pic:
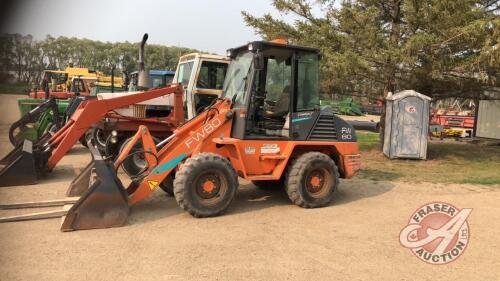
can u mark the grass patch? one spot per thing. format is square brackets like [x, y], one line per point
[482, 180]
[368, 140]
[377, 174]
[14, 88]
[448, 162]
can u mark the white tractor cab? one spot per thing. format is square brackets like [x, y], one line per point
[202, 77]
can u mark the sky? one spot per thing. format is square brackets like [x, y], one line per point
[208, 25]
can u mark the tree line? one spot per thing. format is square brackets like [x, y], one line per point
[441, 48]
[23, 58]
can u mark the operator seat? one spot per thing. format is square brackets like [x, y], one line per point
[275, 116]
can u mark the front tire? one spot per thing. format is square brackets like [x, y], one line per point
[311, 180]
[205, 185]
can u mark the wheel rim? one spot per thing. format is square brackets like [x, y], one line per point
[139, 160]
[99, 135]
[318, 182]
[211, 186]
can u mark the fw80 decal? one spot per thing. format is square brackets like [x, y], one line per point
[201, 134]
[346, 133]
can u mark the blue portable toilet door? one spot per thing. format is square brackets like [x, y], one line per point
[410, 123]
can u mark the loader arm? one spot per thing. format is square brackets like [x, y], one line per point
[182, 144]
[91, 111]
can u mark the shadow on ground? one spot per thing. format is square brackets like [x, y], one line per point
[354, 190]
[249, 198]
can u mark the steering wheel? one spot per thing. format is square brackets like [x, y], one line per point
[203, 84]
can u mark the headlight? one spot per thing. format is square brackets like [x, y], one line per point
[114, 133]
[113, 139]
[250, 47]
[229, 53]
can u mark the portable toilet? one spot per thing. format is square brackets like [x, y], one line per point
[406, 125]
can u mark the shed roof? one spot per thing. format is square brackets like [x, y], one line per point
[407, 93]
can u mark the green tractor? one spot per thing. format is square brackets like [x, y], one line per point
[38, 118]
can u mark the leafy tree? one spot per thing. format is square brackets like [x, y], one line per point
[28, 58]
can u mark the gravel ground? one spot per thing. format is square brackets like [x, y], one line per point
[262, 236]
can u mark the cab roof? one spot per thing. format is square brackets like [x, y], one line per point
[192, 56]
[157, 72]
[258, 45]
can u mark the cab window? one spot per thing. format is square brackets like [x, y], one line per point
[211, 75]
[157, 81]
[272, 90]
[77, 86]
[184, 73]
[307, 82]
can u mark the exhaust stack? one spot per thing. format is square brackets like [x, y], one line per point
[143, 75]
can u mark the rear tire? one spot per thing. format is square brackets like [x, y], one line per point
[205, 185]
[99, 139]
[82, 141]
[311, 180]
[135, 164]
[86, 137]
[168, 184]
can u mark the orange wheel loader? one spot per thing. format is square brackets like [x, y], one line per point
[268, 128]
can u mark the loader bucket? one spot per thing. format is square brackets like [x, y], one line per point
[82, 182]
[104, 204]
[18, 167]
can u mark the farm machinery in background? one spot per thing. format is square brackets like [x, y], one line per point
[157, 79]
[360, 117]
[38, 115]
[48, 109]
[202, 77]
[456, 121]
[64, 84]
[68, 88]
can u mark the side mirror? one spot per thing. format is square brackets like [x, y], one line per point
[258, 61]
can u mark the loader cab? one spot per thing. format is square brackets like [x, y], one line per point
[275, 90]
[81, 85]
[55, 80]
[157, 79]
[202, 77]
[160, 78]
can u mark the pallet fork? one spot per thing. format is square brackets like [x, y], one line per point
[104, 205]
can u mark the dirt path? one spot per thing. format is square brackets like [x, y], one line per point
[262, 236]
[9, 111]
